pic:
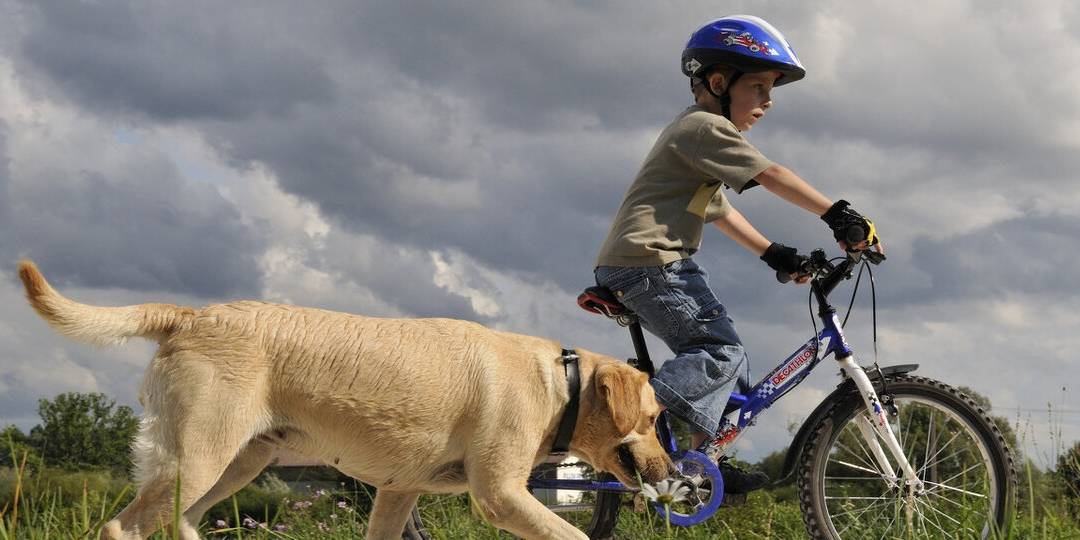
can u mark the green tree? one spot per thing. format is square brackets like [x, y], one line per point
[1068, 469]
[84, 431]
[14, 446]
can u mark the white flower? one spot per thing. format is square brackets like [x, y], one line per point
[666, 491]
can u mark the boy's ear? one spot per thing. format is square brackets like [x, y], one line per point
[717, 82]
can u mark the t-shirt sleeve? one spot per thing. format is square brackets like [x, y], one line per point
[723, 153]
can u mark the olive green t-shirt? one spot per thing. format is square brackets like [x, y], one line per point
[678, 190]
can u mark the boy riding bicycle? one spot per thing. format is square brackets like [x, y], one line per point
[733, 63]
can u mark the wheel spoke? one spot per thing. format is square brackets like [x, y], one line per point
[856, 519]
[946, 458]
[888, 526]
[972, 493]
[939, 451]
[856, 467]
[942, 497]
[869, 462]
[961, 473]
[929, 436]
[939, 513]
[853, 478]
[853, 510]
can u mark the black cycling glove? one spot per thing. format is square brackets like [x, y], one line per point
[784, 259]
[843, 220]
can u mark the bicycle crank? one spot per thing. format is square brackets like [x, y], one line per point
[695, 491]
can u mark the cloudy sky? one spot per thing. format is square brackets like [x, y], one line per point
[465, 159]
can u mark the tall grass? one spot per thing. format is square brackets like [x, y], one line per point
[42, 503]
[41, 509]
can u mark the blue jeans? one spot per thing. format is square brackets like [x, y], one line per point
[674, 303]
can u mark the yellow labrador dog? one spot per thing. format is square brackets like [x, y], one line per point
[410, 406]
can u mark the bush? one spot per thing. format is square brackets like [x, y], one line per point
[16, 451]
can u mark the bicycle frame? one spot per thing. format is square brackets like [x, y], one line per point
[873, 426]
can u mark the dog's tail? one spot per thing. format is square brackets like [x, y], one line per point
[99, 325]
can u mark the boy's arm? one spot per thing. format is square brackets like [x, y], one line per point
[786, 184]
[736, 227]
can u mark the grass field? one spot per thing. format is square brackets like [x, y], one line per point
[52, 504]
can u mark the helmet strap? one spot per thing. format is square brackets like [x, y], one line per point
[724, 98]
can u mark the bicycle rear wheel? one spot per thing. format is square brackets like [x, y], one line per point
[956, 449]
[594, 512]
[414, 527]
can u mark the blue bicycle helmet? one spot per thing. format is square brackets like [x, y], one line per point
[746, 43]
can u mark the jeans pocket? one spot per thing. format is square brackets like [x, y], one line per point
[709, 309]
[624, 283]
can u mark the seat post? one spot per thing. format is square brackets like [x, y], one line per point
[644, 362]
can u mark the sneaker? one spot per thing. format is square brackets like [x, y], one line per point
[737, 480]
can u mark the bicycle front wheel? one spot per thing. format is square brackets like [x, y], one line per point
[953, 445]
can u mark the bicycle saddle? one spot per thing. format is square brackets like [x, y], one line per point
[601, 300]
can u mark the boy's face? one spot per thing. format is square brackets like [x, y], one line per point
[750, 98]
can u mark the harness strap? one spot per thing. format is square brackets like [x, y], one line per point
[569, 419]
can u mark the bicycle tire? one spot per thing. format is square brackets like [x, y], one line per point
[603, 515]
[414, 527]
[596, 517]
[605, 512]
[829, 503]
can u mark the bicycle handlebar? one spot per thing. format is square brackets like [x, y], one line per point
[828, 274]
[854, 235]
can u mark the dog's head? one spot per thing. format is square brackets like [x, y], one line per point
[619, 435]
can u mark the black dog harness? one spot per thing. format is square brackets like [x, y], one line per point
[569, 420]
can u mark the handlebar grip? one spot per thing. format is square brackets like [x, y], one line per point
[783, 277]
[855, 234]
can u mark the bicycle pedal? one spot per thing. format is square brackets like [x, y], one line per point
[733, 499]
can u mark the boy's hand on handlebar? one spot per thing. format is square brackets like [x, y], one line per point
[799, 279]
[789, 265]
[862, 246]
[852, 230]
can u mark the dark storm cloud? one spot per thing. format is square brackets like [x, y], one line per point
[5, 177]
[401, 278]
[901, 76]
[1032, 255]
[518, 117]
[171, 64]
[163, 235]
[466, 95]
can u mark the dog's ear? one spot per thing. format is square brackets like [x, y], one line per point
[621, 390]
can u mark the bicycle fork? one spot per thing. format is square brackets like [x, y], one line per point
[874, 427]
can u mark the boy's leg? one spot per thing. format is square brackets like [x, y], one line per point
[675, 303]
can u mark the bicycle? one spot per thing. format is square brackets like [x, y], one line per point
[885, 452]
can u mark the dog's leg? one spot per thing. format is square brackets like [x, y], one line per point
[389, 514]
[189, 434]
[153, 506]
[514, 509]
[247, 465]
[499, 490]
